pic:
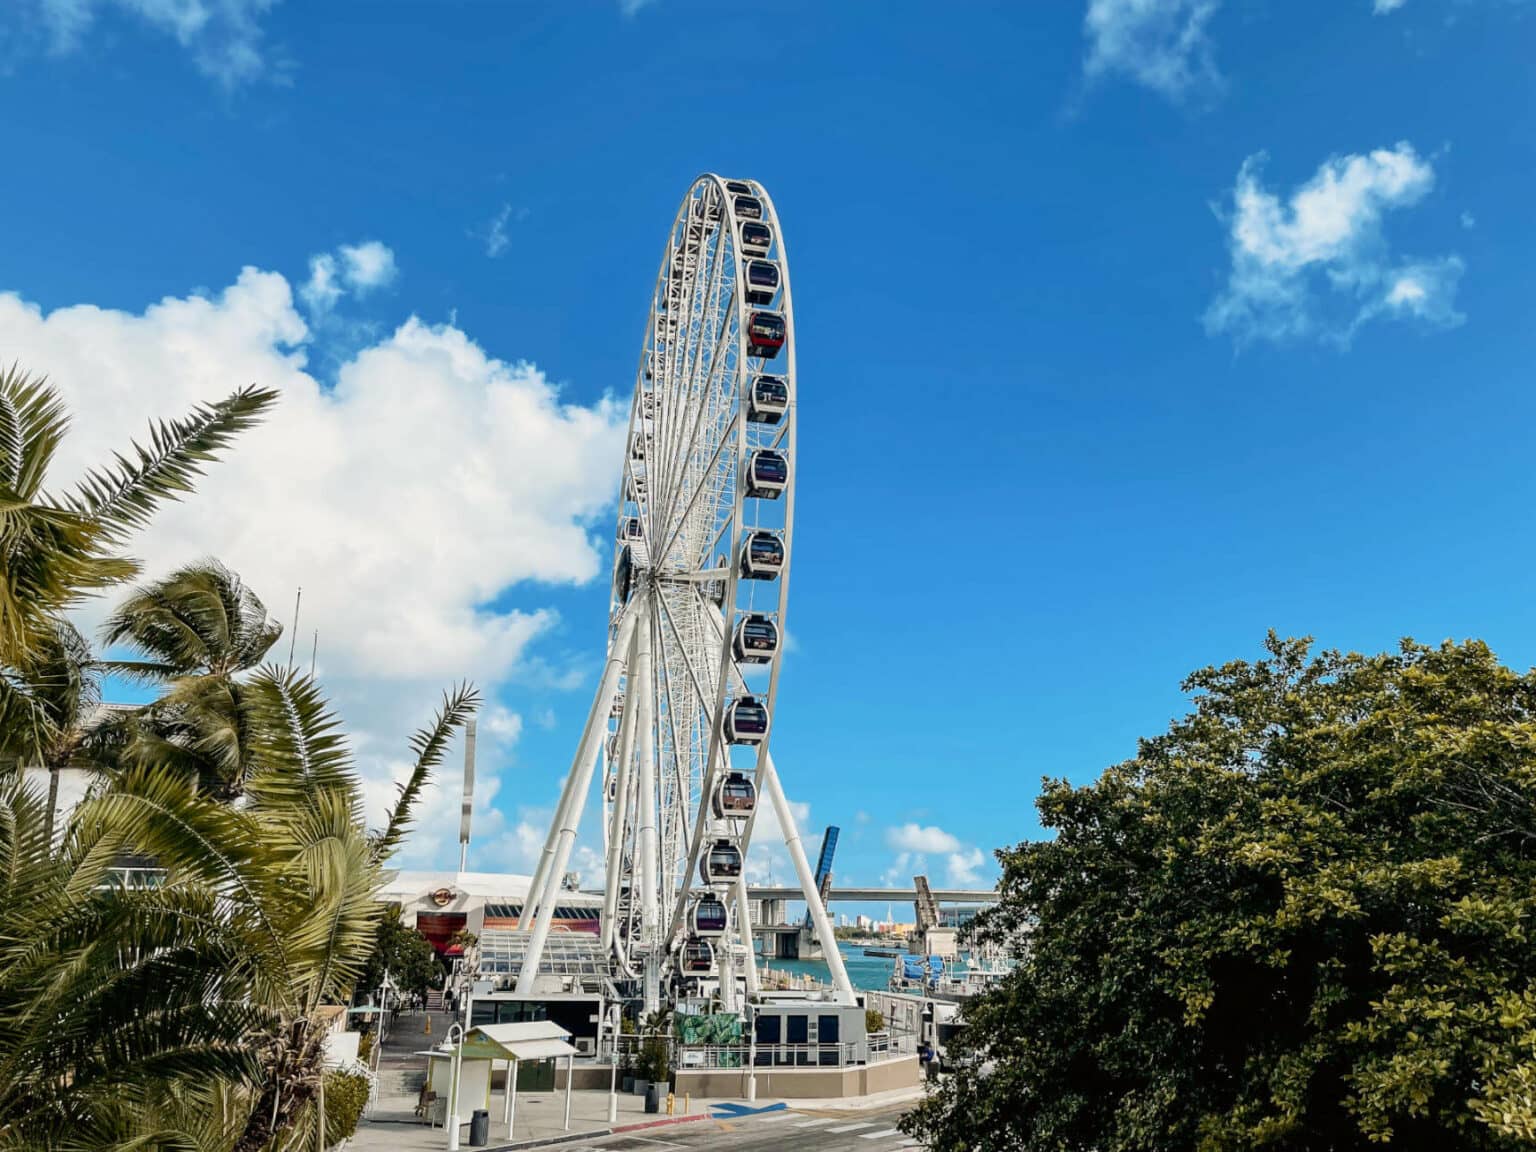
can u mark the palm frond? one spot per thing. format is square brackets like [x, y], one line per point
[430, 745]
[33, 421]
[200, 618]
[122, 497]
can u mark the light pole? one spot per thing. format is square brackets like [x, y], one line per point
[456, 1039]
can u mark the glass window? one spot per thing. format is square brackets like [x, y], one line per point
[826, 1029]
[768, 1029]
[799, 1029]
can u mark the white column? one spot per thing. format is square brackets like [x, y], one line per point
[570, 1077]
[645, 832]
[578, 785]
[812, 893]
[615, 847]
[744, 930]
[512, 1104]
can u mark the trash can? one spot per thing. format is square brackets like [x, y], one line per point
[480, 1128]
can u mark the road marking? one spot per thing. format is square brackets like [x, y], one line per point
[880, 1135]
[816, 1123]
[778, 1116]
[852, 1127]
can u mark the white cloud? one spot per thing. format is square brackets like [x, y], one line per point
[963, 868]
[916, 842]
[1384, 6]
[428, 484]
[496, 235]
[367, 266]
[1468, 221]
[223, 37]
[630, 7]
[1161, 44]
[917, 838]
[358, 268]
[1318, 263]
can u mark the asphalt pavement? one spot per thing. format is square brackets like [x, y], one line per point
[775, 1131]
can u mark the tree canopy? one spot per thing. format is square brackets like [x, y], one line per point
[1298, 920]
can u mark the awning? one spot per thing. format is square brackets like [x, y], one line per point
[531, 1040]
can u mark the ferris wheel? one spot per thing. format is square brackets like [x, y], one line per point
[684, 713]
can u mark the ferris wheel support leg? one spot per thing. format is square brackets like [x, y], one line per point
[576, 787]
[808, 887]
[744, 929]
[615, 845]
[645, 824]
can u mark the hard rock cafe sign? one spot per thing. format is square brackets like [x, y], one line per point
[442, 897]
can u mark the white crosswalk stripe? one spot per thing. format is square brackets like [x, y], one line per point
[816, 1122]
[851, 1127]
[880, 1135]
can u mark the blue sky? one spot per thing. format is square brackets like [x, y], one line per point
[1127, 330]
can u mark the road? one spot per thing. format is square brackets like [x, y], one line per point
[796, 1129]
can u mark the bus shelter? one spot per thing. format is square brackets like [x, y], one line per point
[488, 1044]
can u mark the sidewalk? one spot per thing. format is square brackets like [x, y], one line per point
[540, 1118]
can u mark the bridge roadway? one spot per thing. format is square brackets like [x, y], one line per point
[877, 895]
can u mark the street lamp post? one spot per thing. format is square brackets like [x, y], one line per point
[456, 1039]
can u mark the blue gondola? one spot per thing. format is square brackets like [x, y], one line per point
[767, 474]
[756, 639]
[707, 918]
[761, 278]
[746, 721]
[756, 238]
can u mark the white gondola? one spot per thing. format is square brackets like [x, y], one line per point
[765, 334]
[637, 447]
[761, 278]
[767, 474]
[739, 188]
[735, 797]
[746, 721]
[756, 639]
[707, 918]
[768, 400]
[630, 528]
[721, 863]
[747, 207]
[756, 238]
[698, 958]
[762, 556]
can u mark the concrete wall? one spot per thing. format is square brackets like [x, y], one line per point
[804, 1083]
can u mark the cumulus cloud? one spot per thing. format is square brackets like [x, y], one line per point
[1318, 263]
[414, 501]
[915, 843]
[223, 37]
[356, 268]
[917, 838]
[1161, 44]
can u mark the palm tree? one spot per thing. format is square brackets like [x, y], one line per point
[55, 551]
[197, 631]
[201, 620]
[188, 1015]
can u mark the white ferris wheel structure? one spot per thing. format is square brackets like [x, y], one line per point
[678, 733]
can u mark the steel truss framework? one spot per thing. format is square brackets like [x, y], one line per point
[690, 502]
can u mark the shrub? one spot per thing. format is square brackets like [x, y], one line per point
[874, 1020]
[346, 1095]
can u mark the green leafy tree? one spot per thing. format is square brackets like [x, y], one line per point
[1299, 920]
[403, 953]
